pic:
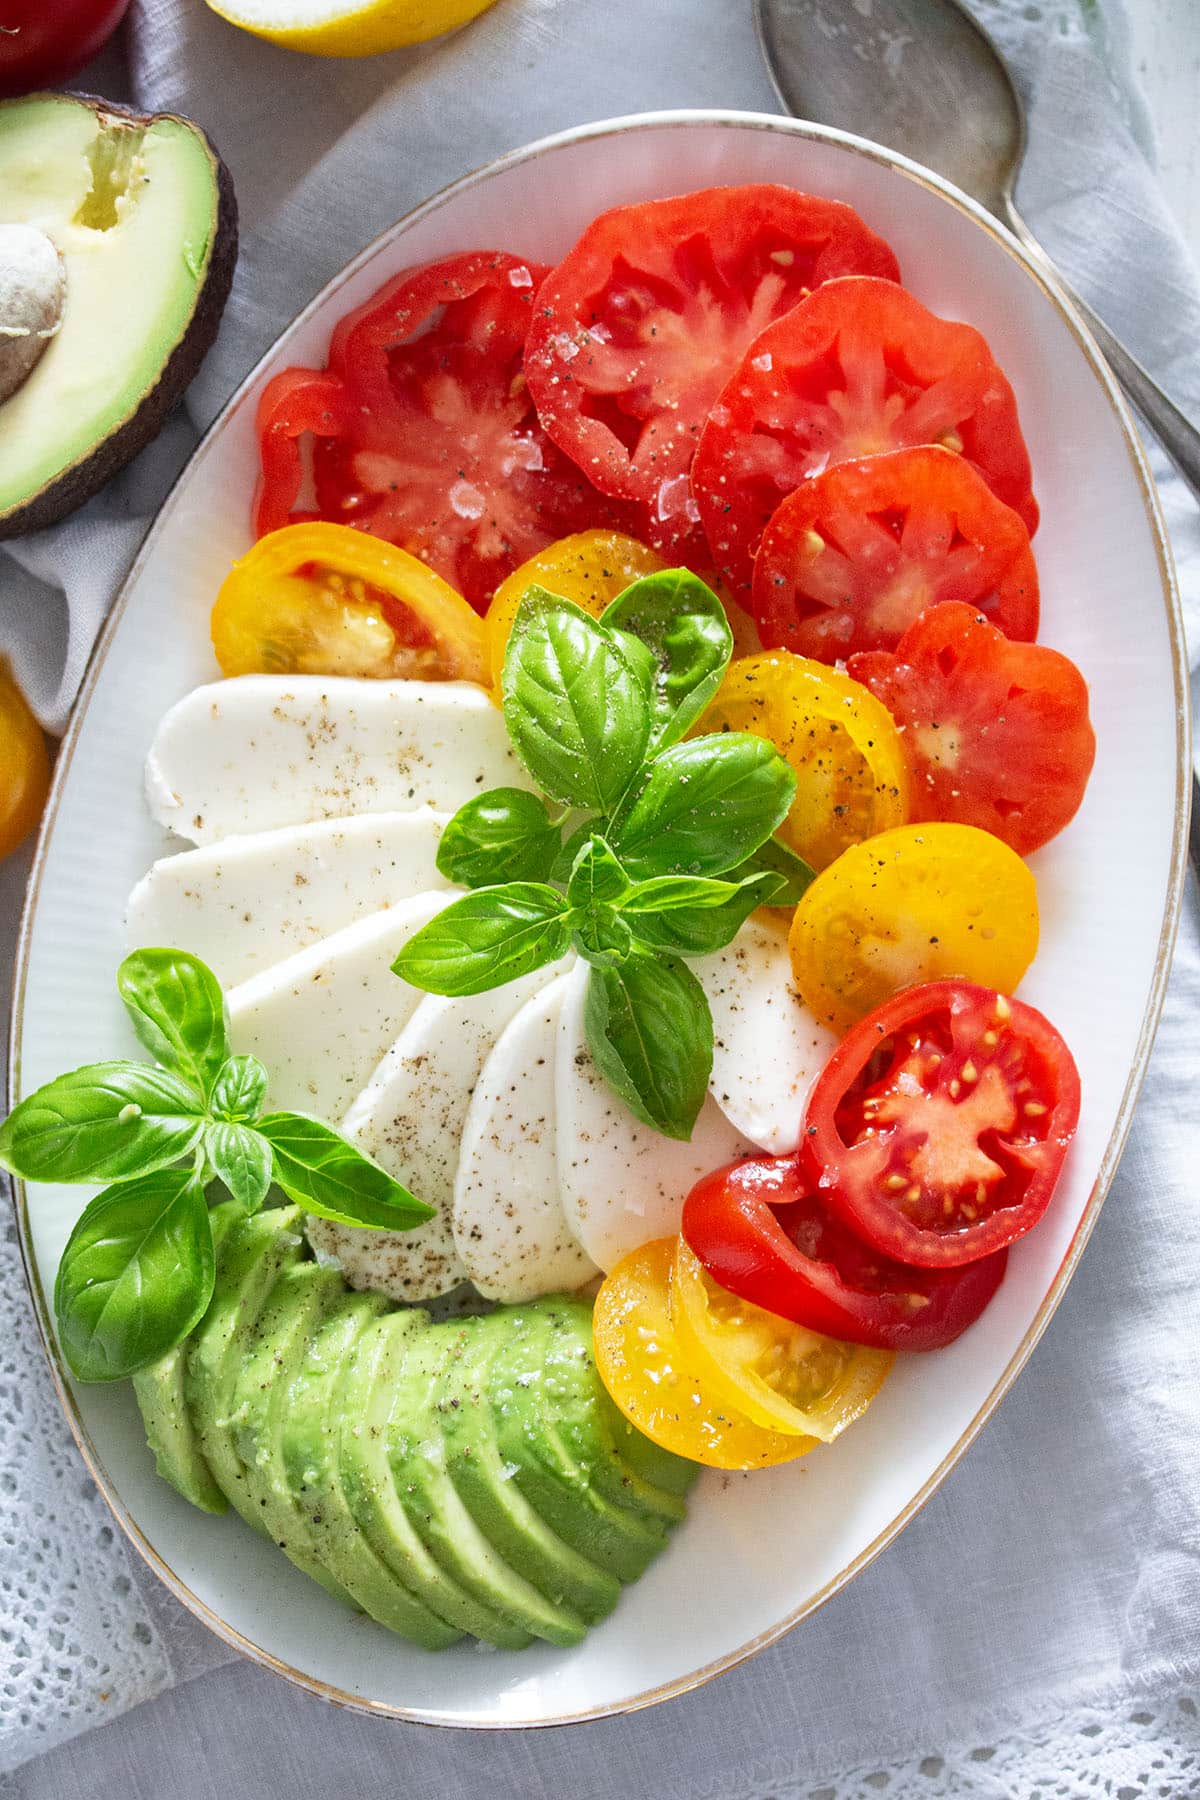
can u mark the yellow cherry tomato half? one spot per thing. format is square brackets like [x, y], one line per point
[591, 568]
[653, 1379]
[323, 599]
[851, 773]
[916, 904]
[780, 1375]
[24, 766]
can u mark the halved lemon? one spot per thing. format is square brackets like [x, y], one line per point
[348, 27]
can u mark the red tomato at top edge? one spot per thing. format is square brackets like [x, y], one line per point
[938, 1128]
[858, 368]
[638, 328]
[424, 430]
[43, 42]
[761, 1232]
[853, 556]
[995, 734]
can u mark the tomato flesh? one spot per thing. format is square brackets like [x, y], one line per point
[762, 1233]
[853, 556]
[44, 42]
[996, 734]
[24, 766]
[938, 1129]
[638, 328]
[859, 368]
[424, 431]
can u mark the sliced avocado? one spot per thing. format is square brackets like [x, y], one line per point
[373, 1375]
[310, 1459]
[417, 1449]
[248, 1266]
[160, 1393]
[303, 1296]
[554, 1482]
[141, 210]
[487, 1489]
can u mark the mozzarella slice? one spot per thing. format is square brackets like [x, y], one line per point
[621, 1182]
[509, 1225]
[260, 751]
[249, 902]
[767, 1047]
[410, 1118]
[322, 1019]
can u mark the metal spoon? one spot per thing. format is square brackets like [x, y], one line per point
[948, 101]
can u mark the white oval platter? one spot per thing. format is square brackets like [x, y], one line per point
[1109, 886]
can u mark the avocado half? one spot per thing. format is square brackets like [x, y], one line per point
[142, 211]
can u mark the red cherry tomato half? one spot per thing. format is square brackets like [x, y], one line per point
[995, 734]
[638, 328]
[858, 368]
[937, 1129]
[853, 556]
[424, 432]
[43, 42]
[761, 1233]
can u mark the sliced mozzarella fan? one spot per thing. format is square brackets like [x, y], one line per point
[248, 902]
[322, 1019]
[767, 1047]
[621, 1182]
[260, 751]
[509, 1226]
[410, 1117]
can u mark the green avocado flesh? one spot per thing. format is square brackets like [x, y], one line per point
[141, 212]
[469, 1477]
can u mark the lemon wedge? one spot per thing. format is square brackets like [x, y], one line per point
[348, 27]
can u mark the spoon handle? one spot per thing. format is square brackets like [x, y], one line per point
[1178, 437]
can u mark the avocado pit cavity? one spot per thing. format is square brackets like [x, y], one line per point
[33, 289]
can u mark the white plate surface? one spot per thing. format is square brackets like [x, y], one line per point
[1109, 892]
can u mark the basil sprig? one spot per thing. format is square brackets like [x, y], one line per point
[661, 847]
[138, 1269]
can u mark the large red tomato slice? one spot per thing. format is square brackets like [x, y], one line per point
[937, 1129]
[760, 1231]
[638, 328]
[435, 445]
[858, 368]
[995, 734]
[851, 558]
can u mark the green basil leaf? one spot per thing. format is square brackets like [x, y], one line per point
[178, 1011]
[797, 876]
[663, 920]
[136, 1275]
[241, 1158]
[650, 1034]
[575, 706]
[601, 936]
[239, 1090]
[684, 626]
[597, 877]
[106, 1122]
[504, 835]
[565, 861]
[320, 1171]
[489, 937]
[704, 806]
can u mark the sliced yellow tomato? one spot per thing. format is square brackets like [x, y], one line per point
[323, 599]
[24, 766]
[851, 774]
[591, 568]
[654, 1380]
[916, 904]
[780, 1375]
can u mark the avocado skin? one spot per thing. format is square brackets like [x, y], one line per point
[77, 483]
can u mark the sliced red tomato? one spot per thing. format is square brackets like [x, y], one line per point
[424, 430]
[937, 1129]
[858, 368]
[638, 328]
[995, 734]
[853, 556]
[761, 1232]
